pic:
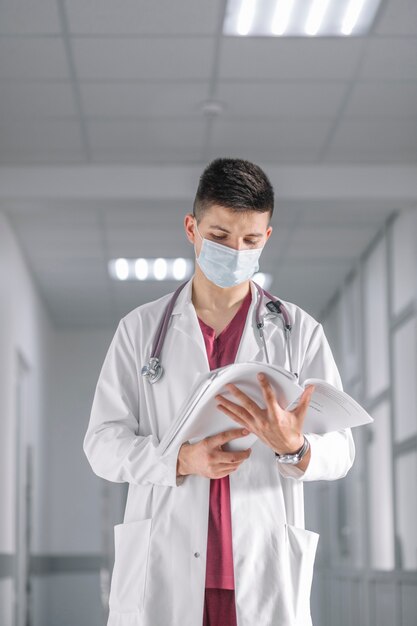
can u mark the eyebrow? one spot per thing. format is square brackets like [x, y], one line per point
[228, 231]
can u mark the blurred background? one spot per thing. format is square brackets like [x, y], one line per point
[109, 112]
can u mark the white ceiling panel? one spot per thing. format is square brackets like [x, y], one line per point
[58, 213]
[142, 214]
[390, 58]
[29, 99]
[86, 82]
[381, 140]
[286, 140]
[281, 99]
[28, 17]
[351, 214]
[290, 58]
[142, 17]
[382, 99]
[142, 140]
[87, 273]
[398, 17]
[265, 154]
[143, 99]
[32, 58]
[42, 141]
[52, 248]
[154, 58]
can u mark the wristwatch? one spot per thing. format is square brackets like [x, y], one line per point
[295, 457]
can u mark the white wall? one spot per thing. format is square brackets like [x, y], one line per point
[73, 511]
[368, 567]
[82, 508]
[24, 326]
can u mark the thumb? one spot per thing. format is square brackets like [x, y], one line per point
[304, 399]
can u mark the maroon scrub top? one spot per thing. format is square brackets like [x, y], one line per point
[221, 350]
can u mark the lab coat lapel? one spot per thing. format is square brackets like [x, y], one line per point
[184, 320]
[251, 345]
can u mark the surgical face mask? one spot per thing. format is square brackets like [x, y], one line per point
[224, 266]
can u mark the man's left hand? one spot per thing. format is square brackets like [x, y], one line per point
[279, 429]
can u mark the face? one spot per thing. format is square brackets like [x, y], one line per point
[241, 231]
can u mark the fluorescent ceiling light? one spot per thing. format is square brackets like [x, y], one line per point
[246, 16]
[141, 269]
[121, 268]
[160, 269]
[277, 18]
[315, 17]
[281, 17]
[352, 15]
[179, 269]
[151, 269]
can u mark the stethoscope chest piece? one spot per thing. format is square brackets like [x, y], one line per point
[153, 371]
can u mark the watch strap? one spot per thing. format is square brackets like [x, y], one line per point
[294, 457]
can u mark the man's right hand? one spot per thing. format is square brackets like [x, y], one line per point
[207, 457]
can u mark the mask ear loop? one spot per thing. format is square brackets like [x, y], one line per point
[202, 238]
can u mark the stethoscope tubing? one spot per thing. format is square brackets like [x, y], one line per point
[153, 370]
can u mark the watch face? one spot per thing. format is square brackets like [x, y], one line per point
[289, 459]
[297, 456]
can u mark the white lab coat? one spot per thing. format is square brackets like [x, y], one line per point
[159, 572]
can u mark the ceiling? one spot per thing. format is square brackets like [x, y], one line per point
[122, 86]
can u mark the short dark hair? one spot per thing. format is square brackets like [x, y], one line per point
[234, 183]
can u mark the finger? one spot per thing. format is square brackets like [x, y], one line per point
[232, 406]
[233, 415]
[233, 456]
[246, 401]
[223, 474]
[304, 399]
[267, 390]
[227, 435]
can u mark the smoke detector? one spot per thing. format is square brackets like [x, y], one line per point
[212, 108]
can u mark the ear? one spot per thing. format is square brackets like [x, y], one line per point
[189, 227]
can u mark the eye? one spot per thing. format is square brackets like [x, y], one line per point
[248, 241]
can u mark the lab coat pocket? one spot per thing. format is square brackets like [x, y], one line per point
[131, 543]
[302, 547]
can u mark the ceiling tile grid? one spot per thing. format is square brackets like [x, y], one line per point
[86, 82]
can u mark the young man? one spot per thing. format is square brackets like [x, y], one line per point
[212, 537]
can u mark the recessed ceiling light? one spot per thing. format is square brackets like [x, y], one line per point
[307, 18]
[151, 269]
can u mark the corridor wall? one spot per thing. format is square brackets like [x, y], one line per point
[367, 569]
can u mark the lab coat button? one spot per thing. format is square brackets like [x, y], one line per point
[196, 554]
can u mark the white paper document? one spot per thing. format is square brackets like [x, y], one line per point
[329, 408]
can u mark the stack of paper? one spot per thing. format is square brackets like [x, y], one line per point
[329, 409]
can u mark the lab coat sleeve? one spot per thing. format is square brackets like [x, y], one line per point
[113, 448]
[333, 453]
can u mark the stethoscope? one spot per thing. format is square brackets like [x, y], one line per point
[153, 371]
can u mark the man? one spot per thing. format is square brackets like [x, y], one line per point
[212, 537]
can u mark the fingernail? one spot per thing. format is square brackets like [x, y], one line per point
[245, 431]
[261, 376]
